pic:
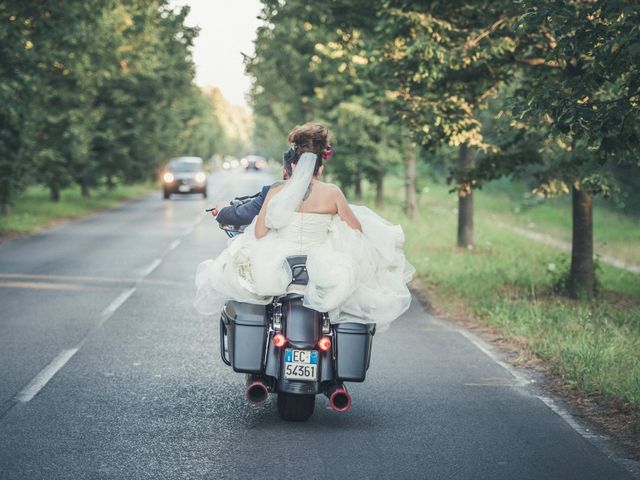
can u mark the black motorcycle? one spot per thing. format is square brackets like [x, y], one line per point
[290, 350]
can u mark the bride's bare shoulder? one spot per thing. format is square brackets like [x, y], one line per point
[276, 187]
[330, 187]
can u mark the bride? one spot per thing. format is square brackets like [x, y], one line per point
[356, 266]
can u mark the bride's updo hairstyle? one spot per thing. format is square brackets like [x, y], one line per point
[310, 137]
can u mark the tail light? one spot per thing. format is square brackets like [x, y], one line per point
[324, 344]
[279, 340]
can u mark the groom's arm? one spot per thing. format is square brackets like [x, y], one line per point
[244, 213]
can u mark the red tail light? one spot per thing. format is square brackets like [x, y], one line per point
[324, 344]
[279, 340]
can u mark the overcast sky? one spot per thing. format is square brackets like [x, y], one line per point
[227, 28]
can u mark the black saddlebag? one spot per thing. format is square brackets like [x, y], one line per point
[353, 350]
[244, 336]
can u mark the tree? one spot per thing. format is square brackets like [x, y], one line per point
[363, 143]
[315, 70]
[18, 89]
[582, 86]
[141, 103]
[445, 60]
[95, 90]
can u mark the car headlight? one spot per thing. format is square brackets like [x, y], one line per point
[168, 177]
[200, 177]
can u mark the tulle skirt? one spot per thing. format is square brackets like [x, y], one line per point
[354, 276]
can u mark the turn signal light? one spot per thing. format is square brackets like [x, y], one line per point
[324, 344]
[279, 340]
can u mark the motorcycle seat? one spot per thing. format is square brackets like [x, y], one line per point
[298, 266]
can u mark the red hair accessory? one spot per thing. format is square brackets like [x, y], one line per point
[328, 151]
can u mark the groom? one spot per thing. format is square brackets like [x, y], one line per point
[244, 213]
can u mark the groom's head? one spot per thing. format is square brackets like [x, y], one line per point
[286, 163]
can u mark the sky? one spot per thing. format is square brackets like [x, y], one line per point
[227, 28]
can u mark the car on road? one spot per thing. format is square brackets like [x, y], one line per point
[184, 175]
[254, 162]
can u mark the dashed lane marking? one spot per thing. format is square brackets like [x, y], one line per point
[115, 304]
[46, 374]
[152, 266]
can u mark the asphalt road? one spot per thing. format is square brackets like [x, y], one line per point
[106, 371]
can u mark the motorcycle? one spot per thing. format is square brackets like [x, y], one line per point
[287, 349]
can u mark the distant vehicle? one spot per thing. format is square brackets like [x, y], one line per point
[184, 175]
[230, 163]
[254, 162]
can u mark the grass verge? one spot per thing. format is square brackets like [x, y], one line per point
[505, 284]
[33, 210]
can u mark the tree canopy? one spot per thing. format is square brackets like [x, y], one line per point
[98, 92]
[537, 87]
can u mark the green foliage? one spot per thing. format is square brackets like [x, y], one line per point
[581, 86]
[234, 130]
[308, 68]
[94, 90]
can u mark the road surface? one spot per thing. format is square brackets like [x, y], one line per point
[107, 372]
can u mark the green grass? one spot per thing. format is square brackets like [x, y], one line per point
[615, 234]
[506, 282]
[33, 210]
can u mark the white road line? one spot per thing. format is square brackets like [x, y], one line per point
[115, 304]
[566, 416]
[147, 271]
[521, 378]
[482, 346]
[46, 374]
[190, 229]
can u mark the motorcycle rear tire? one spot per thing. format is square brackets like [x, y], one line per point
[294, 407]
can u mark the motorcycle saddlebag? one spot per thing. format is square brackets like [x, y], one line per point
[353, 350]
[246, 326]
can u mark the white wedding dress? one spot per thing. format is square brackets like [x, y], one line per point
[354, 276]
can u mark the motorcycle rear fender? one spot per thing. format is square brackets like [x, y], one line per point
[302, 326]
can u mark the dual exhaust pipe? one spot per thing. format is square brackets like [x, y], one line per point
[339, 398]
[257, 391]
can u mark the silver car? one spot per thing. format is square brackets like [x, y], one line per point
[184, 175]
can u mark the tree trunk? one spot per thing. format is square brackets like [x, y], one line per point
[410, 204]
[54, 192]
[6, 209]
[358, 188]
[581, 277]
[465, 201]
[380, 188]
[84, 190]
[110, 183]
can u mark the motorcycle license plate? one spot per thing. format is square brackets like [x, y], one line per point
[300, 364]
[184, 188]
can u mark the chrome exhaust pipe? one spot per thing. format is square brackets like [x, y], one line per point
[339, 398]
[257, 392]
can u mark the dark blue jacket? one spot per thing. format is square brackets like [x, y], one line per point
[244, 213]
